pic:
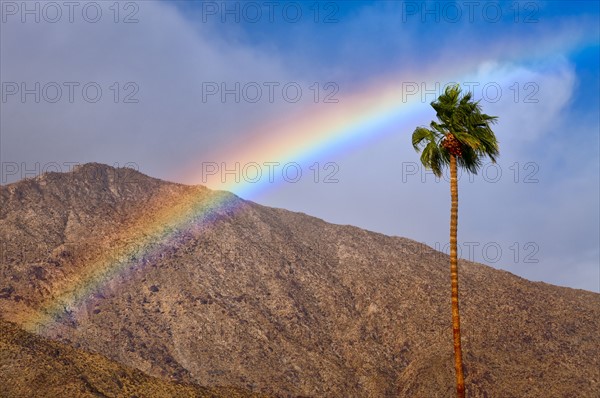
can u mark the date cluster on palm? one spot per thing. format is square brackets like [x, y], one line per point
[452, 145]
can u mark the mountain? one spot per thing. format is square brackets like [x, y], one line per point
[210, 289]
[36, 367]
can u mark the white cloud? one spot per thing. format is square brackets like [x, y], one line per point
[168, 62]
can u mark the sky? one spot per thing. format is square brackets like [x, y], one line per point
[310, 106]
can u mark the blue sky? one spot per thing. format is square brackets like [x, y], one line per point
[541, 212]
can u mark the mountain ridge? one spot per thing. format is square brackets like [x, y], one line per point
[280, 302]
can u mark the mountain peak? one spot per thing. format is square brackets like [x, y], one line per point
[103, 172]
[149, 274]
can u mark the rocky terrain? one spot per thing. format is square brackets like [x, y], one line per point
[218, 291]
[31, 366]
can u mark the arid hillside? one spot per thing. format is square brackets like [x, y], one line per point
[197, 286]
[33, 366]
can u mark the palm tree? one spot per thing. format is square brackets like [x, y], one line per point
[462, 136]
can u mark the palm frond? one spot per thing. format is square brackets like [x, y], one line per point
[433, 158]
[421, 137]
[462, 117]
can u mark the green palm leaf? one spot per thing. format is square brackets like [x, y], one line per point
[460, 116]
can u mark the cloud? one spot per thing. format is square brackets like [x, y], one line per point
[161, 65]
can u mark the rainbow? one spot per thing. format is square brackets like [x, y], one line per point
[361, 116]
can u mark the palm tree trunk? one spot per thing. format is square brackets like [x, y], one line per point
[460, 381]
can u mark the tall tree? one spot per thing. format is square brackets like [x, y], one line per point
[462, 136]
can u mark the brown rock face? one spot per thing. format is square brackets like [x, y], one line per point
[277, 302]
[36, 367]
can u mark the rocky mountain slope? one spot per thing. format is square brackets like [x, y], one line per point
[273, 301]
[31, 366]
